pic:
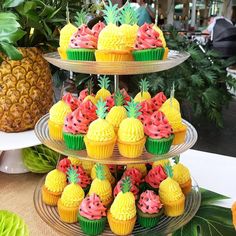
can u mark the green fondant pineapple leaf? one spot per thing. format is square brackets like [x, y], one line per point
[126, 184]
[133, 109]
[73, 176]
[101, 109]
[119, 98]
[104, 82]
[129, 15]
[100, 171]
[144, 85]
[168, 170]
[176, 159]
[80, 18]
[111, 13]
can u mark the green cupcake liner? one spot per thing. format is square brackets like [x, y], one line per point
[148, 220]
[80, 54]
[74, 141]
[148, 54]
[92, 227]
[159, 146]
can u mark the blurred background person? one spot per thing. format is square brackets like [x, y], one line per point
[145, 12]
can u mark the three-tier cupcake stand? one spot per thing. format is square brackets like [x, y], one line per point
[167, 224]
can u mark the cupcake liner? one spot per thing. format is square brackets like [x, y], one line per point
[113, 55]
[62, 53]
[99, 150]
[186, 187]
[74, 141]
[92, 227]
[80, 54]
[148, 54]
[121, 227]
[49, 197]
[166, 53]
[55, 130]
[148, 220]
[180, 136]
[174, 209]
[159, 146]
[67, 214]
[131, 150]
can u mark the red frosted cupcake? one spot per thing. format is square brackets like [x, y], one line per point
[149, 209]
[88, 110]
[64, 165]
[158, 100]
[82, 95]
[71, 101]
[92, 215]
[85, 179]
[134, 174]
[148, 45]
[97, 28]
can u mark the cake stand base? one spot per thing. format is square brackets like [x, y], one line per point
[11, 162]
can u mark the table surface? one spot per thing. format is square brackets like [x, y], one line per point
[211, 171]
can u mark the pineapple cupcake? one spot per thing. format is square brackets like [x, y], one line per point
[182, 176]
[159, 134]
[53, 187]
[143, 95]
[74, 161]
[131, 138]
[100, 139]
[103, 93]
[92, 215]
[148, 46]
[117, 113]
[171, 195]
[57, 115]
[149, 209]
[88, 165]
[101, 186]
[122, 214]
[71, 198]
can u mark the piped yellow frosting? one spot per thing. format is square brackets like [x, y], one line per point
[58, 112]
[87, 165]
[72, 195]
[130, 34]
[75, 161]
[181, 173]
[55, 181]
[131, 130]
[65, 35]
[116, 115]
[123, 207]
[160, 162]
[174, 104]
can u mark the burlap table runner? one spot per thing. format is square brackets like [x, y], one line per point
[16, 195]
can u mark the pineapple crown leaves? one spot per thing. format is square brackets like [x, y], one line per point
[144, 85]
[90, 86]
[104, 82]
[111, 13]
[133, 109]
[73, 176]
[101, 109]
[100, 171]
[80, 18]
[168, 170]
[176, 159]
[128, 15]
[119, 98]
[126, 184]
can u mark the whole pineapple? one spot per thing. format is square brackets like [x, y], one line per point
[26, 92]
[103, 92]
[143, 95]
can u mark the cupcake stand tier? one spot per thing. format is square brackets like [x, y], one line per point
[193, 199]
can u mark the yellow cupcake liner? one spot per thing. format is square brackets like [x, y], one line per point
[179, 135]
[166, 53]
[55, 130]
[67, 214]
[50, 198]
[113, 55]
[186, 187]
[131, 150]
[175, 208]
[99, 150]
[121, 227]
[62, 53]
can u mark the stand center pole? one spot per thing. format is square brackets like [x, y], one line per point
[116, 83]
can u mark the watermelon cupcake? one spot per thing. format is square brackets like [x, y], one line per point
[159, 132]
[149, 209]
[71, 101]
[158, 100]
[92, 215]
[134, 174]
[148, 46]
[85, 180]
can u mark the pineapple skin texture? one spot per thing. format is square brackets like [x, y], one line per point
[116, 115]
[142, 97]
[26, 92]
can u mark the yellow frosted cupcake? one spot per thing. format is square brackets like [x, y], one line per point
[101, 186]
[161, 162]
[131, 138]
[100, 139]
[122, 214]
[181, 175]
[71, 198]
[103, 93]
[75, 161]
[171, 195]
[57, 115]
[55, 183]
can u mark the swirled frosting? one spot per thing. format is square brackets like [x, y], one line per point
[155, 176]
[92, 208]
[158, 100]
[97, 28]
[84, 179]
[134, 189]
[134, 174]
[149, 202]
[158, 127]
[147, 38]
[83, 38]
[88, 109]
[55, 181]
[82, 95]
[59, 111]
[76, 123]
[181, 173]
[64, 164]
[70, 100]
